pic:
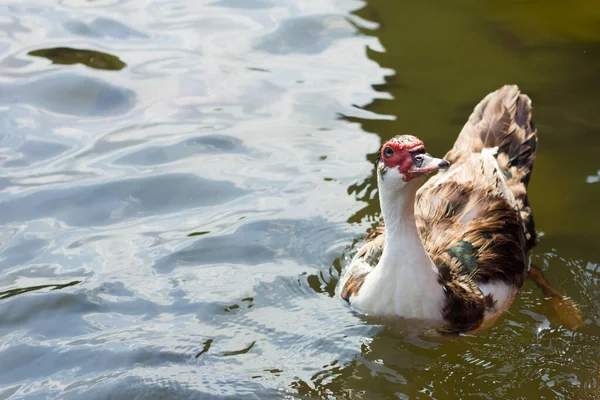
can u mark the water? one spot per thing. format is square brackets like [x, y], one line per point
[181, 182]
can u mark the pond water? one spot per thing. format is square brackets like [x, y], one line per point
[181, 182]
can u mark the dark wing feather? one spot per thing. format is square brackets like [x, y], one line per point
[503, 119]
[363, 262]
[477, 212]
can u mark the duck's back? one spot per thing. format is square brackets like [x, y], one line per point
[474, 219]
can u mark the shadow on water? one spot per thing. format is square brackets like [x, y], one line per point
[70, 94]
[102, 28]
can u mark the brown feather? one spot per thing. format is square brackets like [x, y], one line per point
[503, 119]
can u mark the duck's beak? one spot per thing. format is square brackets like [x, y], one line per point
[424, 163]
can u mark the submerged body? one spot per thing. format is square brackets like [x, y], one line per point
[454, 250]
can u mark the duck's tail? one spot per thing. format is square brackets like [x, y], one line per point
[502, 121]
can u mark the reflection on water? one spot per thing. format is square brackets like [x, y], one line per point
[175, 227]
[61, 93]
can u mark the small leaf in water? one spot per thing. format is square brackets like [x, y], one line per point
[257, 69]
[91, 58]
[274, 370]
[229, 308]
[243, 351]
[14, 292]
[206, 347]
[198, 233]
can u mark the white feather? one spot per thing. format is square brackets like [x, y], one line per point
[490, 151]
[502, 293]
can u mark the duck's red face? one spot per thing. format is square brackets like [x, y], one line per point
[407, 154]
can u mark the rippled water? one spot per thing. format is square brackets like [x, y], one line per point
[182, 181]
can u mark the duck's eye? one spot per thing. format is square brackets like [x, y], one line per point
[418, 160]
[388, 152]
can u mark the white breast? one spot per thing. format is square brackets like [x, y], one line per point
[401, 292]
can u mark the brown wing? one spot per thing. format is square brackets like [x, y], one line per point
[364, 261]
[475, 217]
[503, 119]
[470, 224]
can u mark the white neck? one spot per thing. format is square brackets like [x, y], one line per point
[405, 281]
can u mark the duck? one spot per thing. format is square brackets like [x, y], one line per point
[453, 250]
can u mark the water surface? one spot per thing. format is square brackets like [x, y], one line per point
[182, 181]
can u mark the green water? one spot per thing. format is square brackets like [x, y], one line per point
[445, 56]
